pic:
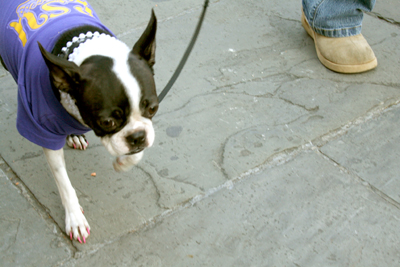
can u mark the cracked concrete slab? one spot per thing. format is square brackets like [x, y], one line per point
[113, 204]
[225, 115]
[25, 234]
[388, 10]
[371, 151]
[304, 213]
[331, 104]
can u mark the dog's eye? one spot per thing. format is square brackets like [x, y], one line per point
[108, 124]
[153, 110]
[149, 109]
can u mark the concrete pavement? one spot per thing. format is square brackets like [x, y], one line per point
[263, 157]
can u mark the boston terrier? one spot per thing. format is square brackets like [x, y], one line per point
[73, 76]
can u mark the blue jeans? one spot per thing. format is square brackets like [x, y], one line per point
[336, 18]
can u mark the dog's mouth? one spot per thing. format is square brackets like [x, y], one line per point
[135, 151]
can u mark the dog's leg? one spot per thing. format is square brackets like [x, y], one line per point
[77, 141]
[76, 225]
[125, 163]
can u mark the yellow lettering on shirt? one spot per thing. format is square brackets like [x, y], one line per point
[20, 30]
[32, 21]
[37, 17]
[55, 11]
[85, 9]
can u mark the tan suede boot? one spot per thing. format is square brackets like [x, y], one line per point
[346, 54]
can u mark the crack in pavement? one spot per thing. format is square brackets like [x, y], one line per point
[35, 204]
[278, 159]
[143, 25]
[377, 191]
[312, 110]
[382, 17]
[274, 160]
[371, 114]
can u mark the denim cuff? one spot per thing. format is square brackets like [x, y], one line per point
[336, 33]
[336, 18]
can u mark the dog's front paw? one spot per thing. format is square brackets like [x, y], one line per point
[76, 225]
[77, 142]
[125, 163]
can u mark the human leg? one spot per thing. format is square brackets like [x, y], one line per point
[336, 18]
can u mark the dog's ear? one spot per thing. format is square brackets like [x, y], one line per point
[65, 75]
[145, 47]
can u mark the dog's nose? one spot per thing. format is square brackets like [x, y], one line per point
[138, 138]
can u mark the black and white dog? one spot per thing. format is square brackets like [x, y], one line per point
[97, 79]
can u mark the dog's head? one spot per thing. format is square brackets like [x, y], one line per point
[113, 88]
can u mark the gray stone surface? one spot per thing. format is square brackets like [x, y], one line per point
[113, 204]
[388, 10]
[27, 238]
[3, 72]
[320, 217]
[372, 152]
[262, 157]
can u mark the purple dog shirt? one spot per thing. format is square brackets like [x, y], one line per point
[41, 118]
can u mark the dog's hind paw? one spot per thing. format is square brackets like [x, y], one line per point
[77, 142]
[76, 225]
